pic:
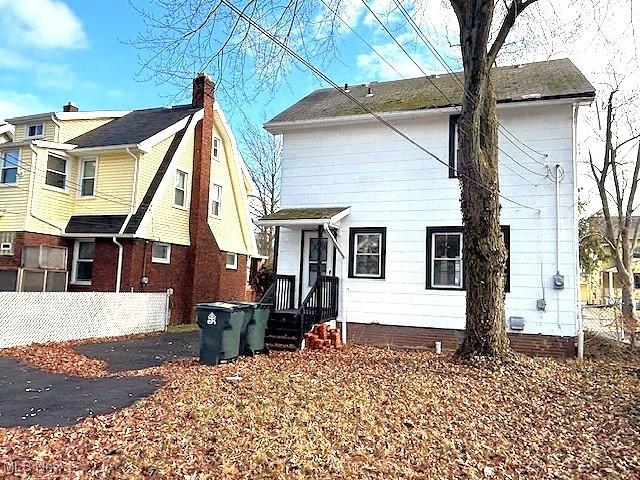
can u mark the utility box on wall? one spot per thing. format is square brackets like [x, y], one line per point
[516, 323]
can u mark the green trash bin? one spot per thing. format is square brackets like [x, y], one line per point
[254, 338]
[220, 325]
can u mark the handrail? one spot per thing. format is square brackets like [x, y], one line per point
[281, 293]
[320, 304]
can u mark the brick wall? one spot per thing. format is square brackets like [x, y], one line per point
[417, 337]
[30, 239]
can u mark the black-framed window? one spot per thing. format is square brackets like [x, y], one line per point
[445, 262]
[453, 145]
[367, 252]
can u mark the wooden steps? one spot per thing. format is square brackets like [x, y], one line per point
[283, 331]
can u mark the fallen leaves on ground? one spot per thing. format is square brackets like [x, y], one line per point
[363, 413]
[58, 357]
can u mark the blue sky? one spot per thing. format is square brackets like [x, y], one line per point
[56, 51]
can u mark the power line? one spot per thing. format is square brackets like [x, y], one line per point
[362, 39]
[435, 85]
[448, 68]
[379, 118]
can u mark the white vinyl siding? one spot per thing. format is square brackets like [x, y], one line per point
[389, 182]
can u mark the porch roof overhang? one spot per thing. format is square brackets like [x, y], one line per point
[304, 217]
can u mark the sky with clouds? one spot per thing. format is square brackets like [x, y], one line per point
[55, 51]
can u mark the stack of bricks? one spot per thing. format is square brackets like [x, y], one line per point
[323, 338]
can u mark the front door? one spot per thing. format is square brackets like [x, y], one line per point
[310, 254]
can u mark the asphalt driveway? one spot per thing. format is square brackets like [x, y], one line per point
[144, 352]
[30, 396]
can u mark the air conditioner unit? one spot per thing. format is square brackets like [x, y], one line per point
[6, 248]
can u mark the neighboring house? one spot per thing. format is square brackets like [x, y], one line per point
[142, 200]
[603, 286]
[6, 133]
[380, 219]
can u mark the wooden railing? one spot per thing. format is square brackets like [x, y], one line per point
[281, 293]
[321, 304]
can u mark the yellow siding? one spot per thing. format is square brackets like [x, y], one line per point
[230, 230]
[53, 206]
[165, 222]
[113, 187]
[72, 128]
[149, 163]
[14, 199]
[49, 130]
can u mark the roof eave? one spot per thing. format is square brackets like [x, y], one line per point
[279, 127]
[105, 148]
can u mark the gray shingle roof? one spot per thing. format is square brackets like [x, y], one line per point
[95, 224]
[533, 81]
[134, 127]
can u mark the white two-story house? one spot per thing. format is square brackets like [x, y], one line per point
[380, 221]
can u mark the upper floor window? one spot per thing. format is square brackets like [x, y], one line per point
[34, 130]
[9, 166]
[88, 177]
[453, 145]
[367, 249]
[216, 197]
[445, 262]
[215, 153]
[161, 252]
[56, 175]
[180, 191]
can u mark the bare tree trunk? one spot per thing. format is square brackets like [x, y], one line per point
[484, 252]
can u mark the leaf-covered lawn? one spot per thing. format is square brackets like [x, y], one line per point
[361, 413]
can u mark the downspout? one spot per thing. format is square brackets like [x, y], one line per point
[343, 323]
[32, 189]
[557, 182]
[124, 224]
[57, 124]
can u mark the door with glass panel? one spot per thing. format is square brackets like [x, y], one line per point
[312, 249]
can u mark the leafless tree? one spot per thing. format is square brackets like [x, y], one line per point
[263, 153]
[617, 183]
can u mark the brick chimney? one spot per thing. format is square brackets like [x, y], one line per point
[206, 256]
[70, 107]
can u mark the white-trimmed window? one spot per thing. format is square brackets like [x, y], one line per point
[215, 150]
[446, 260]
[216, 198]
[161, 252]
[180, 190]
[34, 130]
[9, 167]
[56, 175]
[88, 170]
[232, 261]
[82, 268]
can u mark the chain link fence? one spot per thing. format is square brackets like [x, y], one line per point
[604, 321]
[27, 317]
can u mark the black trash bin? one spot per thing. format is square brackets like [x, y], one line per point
[253, 340]
[221, 325]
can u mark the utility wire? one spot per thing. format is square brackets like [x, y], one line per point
[435, 85]
[379, 118]
[448, 68]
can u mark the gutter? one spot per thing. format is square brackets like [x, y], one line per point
[135, 146]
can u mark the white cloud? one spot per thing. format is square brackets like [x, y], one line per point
[44, 74]
[44, 24]
[13, 104]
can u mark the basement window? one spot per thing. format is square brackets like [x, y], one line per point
[232, 261]
[445, 262]
[161, 252]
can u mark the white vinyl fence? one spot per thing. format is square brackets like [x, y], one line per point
[27, 317]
